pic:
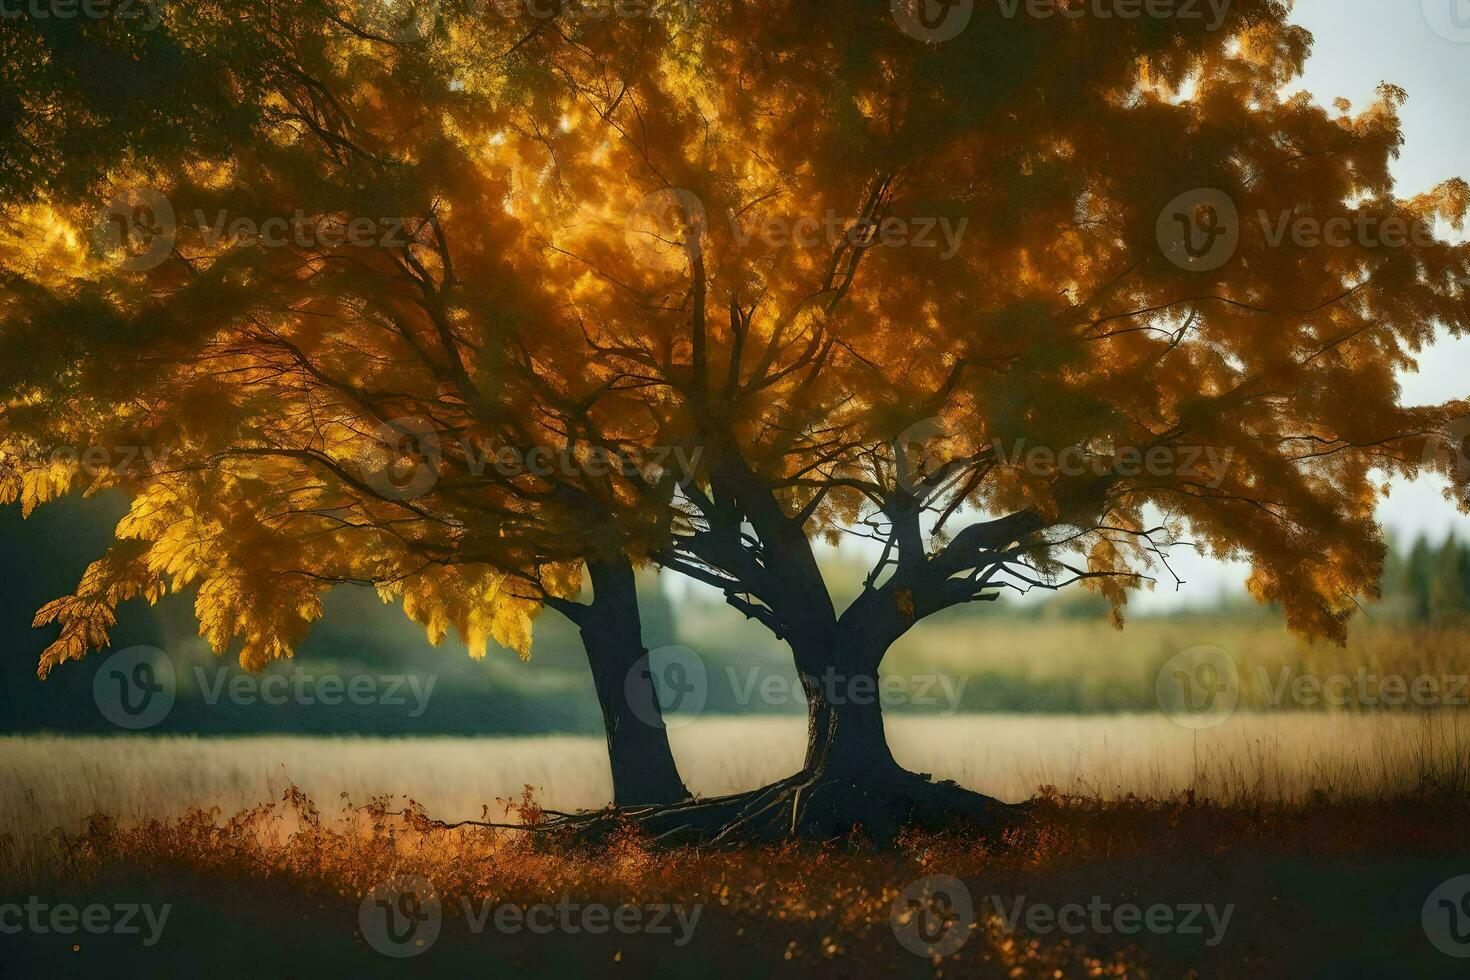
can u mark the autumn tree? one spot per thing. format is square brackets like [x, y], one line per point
[269, 299]
[1191, 291]
[1021, 307]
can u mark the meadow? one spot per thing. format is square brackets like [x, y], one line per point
[1250, 760]
[1319, 828]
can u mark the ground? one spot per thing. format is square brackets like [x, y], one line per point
[1313, 889]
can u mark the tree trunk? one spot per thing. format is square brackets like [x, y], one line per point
[845, 735]
[643, 768]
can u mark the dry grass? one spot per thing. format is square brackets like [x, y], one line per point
[1278, 816]
[825, 911]
[1251, 760]
[1110, 669]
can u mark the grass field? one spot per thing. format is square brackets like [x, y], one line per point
[49, 781]
[1322, 834]
[1329, 834]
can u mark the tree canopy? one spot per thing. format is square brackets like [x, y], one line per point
[740, 276]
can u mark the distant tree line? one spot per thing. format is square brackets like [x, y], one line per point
[1428, 582]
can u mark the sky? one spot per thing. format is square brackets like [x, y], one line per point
[1360, 43]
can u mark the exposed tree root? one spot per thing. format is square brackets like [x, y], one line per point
[804, 807]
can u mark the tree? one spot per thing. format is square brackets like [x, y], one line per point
[1418, 578]
[1023, 309]
[1448, 592]
[296, 458]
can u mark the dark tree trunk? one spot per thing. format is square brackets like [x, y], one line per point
[845, 735]
[850, 786]
[643, 769]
